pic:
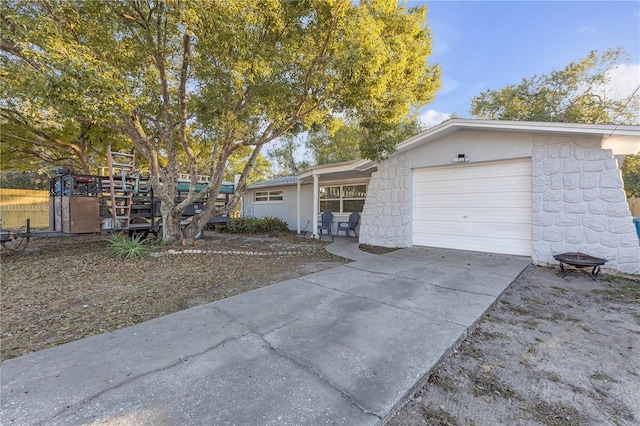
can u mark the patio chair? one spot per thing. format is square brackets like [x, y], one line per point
[349, 226]
[325, 222]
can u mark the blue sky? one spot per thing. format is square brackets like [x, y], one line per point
[484, 45]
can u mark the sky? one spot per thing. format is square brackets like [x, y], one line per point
[482, 45]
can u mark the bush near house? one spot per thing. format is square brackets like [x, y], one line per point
[252, 225]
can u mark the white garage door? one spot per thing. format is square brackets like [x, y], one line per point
[481, 207]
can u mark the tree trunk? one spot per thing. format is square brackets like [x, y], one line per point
[193, 229]
[170, 223]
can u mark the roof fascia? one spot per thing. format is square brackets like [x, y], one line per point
[271, 185]
[456, 124]
[326, 169]
[364, 165]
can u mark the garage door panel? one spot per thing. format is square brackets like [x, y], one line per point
[489, 215]
[483, 185]
[515, 200]
[477, 230]
[499, 244]
[485, 207]
[490, 243]
[471, 171]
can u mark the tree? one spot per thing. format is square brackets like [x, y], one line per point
[347, 140]
[339, 141]
[179, 79]
[284, 156]
[631, 175]
[31, 138]
[576, 94]
[262, 169]
[32, 179]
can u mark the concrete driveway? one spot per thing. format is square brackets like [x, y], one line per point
[342, 346]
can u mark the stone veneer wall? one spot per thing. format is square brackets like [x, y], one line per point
[386, 217]
[579, 204]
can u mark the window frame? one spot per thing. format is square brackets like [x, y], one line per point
[342, 197]
[273, 196]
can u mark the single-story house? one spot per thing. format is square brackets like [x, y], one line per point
[524, 188]
[339, 187]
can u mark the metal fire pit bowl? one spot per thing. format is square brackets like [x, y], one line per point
[580, 260]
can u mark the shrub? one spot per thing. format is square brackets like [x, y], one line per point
[252, 225]
[126, 247]
[273, 224]
[157, 243]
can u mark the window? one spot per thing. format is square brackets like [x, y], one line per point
[269, 196]
[343, 198]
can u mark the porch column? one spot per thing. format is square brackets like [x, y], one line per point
[298, 206]
[316, 205]
[236, 179]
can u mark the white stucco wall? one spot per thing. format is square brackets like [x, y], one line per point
[479, 146]
[286, 210]
[578, 200]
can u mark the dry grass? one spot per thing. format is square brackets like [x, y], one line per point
[64, 289]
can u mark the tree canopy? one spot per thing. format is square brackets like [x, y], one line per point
[284, 156]
[189, 83]
[579, 93]
[631, 175]
[262, 169]
[346, 140]
[32, 139]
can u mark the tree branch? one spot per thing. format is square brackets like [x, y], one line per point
[182, 99]
[12, 49]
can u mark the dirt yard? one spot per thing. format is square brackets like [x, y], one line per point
[63, 289]
[552, 351]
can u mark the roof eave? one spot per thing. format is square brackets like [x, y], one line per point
[456, 124]
[364, 165]
[328, 169]
[270, 185]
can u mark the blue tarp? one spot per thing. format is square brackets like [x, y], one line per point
[225, 188]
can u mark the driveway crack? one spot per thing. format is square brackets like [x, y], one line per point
[76, 407]
[300, 362]
[296, 319]
[381, 302]
[310, 368]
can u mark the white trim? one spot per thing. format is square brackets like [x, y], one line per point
[316, 205]
[364, 165]
[352, 181]
[298, 207]
[342, 199]
[455, 124]
[324, 169]
[269, 196]
[268, 202]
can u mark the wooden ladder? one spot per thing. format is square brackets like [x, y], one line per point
[124, 181]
